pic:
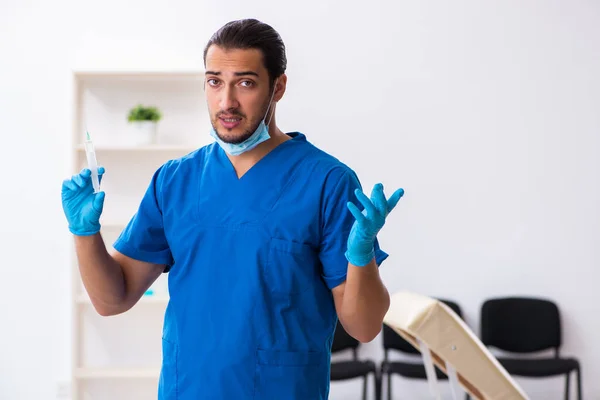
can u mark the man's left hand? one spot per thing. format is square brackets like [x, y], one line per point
[368, 223]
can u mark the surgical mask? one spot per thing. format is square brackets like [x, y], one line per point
[260, 135]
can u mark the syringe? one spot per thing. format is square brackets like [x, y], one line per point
[92, 164]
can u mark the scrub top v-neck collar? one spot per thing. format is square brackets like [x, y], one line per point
[230, 201]
[231, 172]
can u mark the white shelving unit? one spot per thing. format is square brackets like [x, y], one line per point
[119, 357]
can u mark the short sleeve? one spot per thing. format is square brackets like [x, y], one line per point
[144, 236]
[337, 222]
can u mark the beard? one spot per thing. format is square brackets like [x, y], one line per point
[237, 139]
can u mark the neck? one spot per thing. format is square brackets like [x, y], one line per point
[247, 160]
[277, 137]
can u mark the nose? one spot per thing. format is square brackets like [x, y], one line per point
[228, 99]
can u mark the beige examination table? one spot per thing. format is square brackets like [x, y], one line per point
[445, 340]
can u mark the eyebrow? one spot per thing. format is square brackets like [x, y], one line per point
[241, 73]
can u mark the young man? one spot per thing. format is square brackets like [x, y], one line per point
[261, 234]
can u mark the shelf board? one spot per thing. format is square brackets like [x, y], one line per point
[116, 373]
[140, 75]
[146, 148]
[112, 225]
[159, 299]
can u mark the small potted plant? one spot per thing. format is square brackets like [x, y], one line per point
[144, 120]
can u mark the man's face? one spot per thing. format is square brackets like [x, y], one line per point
[237, 91]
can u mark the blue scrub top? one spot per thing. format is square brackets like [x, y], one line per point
[251, 265]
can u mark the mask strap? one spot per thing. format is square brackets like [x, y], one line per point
[270, 103]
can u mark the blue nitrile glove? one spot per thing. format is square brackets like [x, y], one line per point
[361, 240]
[81, 205]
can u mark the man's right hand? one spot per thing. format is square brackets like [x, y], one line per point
[81, 205]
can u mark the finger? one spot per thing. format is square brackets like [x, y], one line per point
[100, 174]
[358, 215]
[98, 203]
[394, 198]
[68, 185]
[364, 200]
[79, 180]
[82, 178]
[378, 198]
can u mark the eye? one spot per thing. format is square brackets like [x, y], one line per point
[247, 83]
[212, 82]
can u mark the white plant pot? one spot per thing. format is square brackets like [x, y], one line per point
[140, 133]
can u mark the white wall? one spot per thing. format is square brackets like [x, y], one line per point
[485, 112]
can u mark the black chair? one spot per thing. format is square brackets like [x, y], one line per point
[355, 368]
[410, 370]
[527, 325]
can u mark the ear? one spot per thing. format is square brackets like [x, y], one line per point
[280, 87]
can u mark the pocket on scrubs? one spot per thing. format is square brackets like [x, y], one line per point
[167, 384]
[291, 267]
[290, 375]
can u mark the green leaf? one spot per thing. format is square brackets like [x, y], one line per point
[144, 113]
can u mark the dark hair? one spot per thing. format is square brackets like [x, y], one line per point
[253, 34]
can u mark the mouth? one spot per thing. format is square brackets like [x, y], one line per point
[230, 122]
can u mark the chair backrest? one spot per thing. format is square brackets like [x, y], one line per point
[392, 340]
[520, 324]
[342, 340]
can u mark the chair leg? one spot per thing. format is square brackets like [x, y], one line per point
[365, 384]
[579, 394]
[377, 378]
[567, 386]
[389, 385]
